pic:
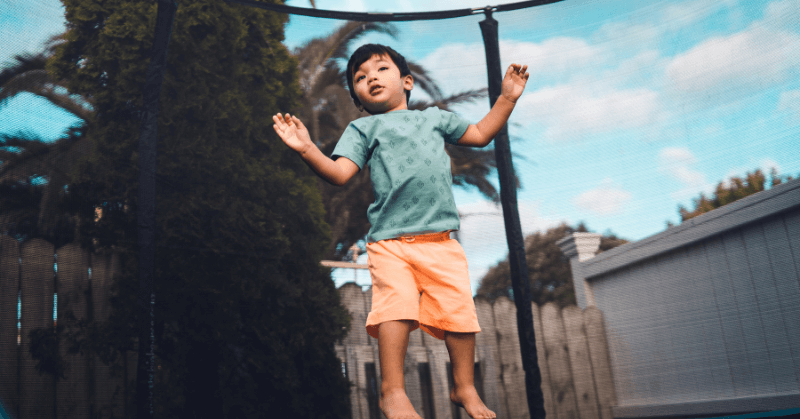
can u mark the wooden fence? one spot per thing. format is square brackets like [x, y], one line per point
[68, 279]
[52, 283]
[572, 352]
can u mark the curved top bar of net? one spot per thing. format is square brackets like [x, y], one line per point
[391, 17]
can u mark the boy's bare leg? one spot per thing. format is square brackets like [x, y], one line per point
[392, 345]
[461, 347]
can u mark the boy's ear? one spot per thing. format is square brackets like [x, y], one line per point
[408, 82]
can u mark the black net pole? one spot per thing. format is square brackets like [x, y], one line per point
[146, 217]
[516, 244]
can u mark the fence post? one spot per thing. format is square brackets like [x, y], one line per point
[579, 247]
[9, 350]
[72, 285]
[37, 391]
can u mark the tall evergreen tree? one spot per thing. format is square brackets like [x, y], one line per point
[245, 317]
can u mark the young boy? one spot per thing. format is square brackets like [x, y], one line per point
[409, 246]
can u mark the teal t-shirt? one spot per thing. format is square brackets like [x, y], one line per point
[409, 168]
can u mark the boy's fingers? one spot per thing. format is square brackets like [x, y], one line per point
[298, 122]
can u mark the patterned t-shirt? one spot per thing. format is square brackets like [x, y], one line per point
[409, 168]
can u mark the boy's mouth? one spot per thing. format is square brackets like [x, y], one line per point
[375, 89]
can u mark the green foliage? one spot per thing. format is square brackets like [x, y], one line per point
[240, 296]
[735, 189]
[549, 271]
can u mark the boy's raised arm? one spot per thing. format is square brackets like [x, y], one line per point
[482, 133]
[295, 135]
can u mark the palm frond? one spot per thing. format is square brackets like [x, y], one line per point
[32, 81]
[21, 64]
[425, 82]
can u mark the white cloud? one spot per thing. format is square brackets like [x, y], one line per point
[676, 155]
[606, 199]
[627, 34]
[783, 13]
[483, 237]
[559, 57]
[678, 16]
[789, 104]
[573, 111]
[677, 163]
[735, 65]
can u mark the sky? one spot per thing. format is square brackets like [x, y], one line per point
[632, 108]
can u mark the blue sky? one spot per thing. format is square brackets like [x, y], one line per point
[632, 107]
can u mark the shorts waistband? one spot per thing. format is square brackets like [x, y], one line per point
[422, 238]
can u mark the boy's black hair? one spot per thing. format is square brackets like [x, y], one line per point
[363, 54]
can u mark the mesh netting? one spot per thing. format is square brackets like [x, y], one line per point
[665, 134]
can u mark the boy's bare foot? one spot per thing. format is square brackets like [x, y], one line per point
[396, 405]
[467, 397]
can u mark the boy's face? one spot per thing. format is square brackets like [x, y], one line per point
[379, 86]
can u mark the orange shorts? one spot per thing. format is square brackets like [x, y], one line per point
[432, 265]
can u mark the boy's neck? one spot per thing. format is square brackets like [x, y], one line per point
[404, 107]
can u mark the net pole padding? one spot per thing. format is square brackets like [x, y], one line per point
[146, 206]
[516, 244]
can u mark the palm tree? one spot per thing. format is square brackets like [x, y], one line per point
[34, 174]
[327, 108]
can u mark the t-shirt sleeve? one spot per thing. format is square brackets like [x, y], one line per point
[353, 145]
[452, 126]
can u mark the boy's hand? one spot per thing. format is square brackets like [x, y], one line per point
[514, 82]
[292, 132]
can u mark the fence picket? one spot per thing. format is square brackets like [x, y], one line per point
[488, 355]
[544, 370]
[109, 398]
[601, 364]
[9, 350]
[37, 391]
[513, 376]
[353, 298]
[582, 377]
[72, 284]
[555, 342]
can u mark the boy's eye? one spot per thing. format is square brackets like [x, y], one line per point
[359, 78]
[384, 68]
